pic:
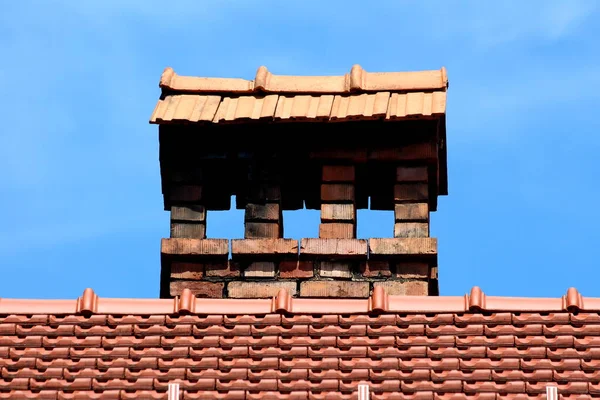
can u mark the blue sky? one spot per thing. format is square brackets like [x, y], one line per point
[81, 203]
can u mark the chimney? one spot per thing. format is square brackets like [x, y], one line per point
[335, 144]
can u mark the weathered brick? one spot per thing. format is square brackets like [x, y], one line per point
[260, 269]
[338, 212]
[187, 175]
[403, 246]
[416, 151]
[356, 155]
[185, 230]
[411, 174]
[408, 288]
[334, 269]
[183, 246]
[337, 192]
[185, 193]
[433, 273]
[262, 212]
[244, 247]
[293, 269]
[338, 173]
[336, 230]
[408, 270]
[254, 290]
[346, 289]
[334, 247]
[373, 268]
[194, 213]
[411, 212]
[264, 192]
[199, 288]
[186, 270]
[411, 192]
[411, 229]
[262, 230]
[228, 269]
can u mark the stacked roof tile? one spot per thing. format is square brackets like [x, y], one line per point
[356, 95]
[425, 348]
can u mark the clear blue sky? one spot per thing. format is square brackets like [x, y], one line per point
[81, 200]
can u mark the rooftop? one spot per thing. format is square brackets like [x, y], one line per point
[378, 302]
[418, 348]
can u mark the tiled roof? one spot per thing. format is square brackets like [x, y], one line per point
[356, 95]
[423, 348]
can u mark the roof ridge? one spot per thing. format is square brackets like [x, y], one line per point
[378, 302]
[356, 81]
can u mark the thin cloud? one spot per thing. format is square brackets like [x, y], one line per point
[492, 24]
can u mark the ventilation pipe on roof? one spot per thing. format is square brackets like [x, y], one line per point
[173, 393]
[363, 392]
[551, 392]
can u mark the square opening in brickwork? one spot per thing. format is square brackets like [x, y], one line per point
[302, 223]
[374, 223]
[227, 224]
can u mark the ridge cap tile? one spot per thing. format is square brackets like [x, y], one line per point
[380, 302]
[356, 80]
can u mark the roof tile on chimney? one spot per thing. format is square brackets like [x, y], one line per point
[356, 95]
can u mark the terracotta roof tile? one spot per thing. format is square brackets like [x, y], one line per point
[265, 82]
[188, 108]
[464, 347]
[356, 95]
[304, 107]
[246, 107]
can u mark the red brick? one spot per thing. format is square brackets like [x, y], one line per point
[257, 290]
[262, 212]
[407, 270]
[374, 268]
[338, 212]
[185, 193]
[336, 230]
[416, 151]
[433, 273]
[185, 270]
[358, 155]
[230, 269]
[411, 174]
[411, 212]
[411, 229]
[417, 288]
[411, 192]
[403, 246]
[334, 247]
[253, 230]
[265, 192]
[296, 269]
[338, 173]
[334, 269]
[408, 288]
[196, 213]
[347, 289]
[183, 246]
[260, 269]
[337, 192]
[241, 247]
[186, 230]
[198, 288]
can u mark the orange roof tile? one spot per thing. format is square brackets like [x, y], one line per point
[422, 348]
[357, 95]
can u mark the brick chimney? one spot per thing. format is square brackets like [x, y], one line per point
[336, 144]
